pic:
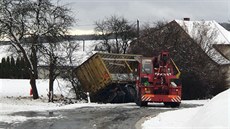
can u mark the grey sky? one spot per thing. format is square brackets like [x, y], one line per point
[147, 11]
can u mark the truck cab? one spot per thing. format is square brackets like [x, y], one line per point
[158, 81]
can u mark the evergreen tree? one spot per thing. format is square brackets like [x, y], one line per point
[12, 68]
[18, 69]
[25, 72]
[7, 67]
[3, 74]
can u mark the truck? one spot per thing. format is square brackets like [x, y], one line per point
[158, 81]
[119, 78]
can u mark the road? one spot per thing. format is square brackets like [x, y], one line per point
[127, 116]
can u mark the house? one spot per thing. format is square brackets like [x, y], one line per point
[191, 44]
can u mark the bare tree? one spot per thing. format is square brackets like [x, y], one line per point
[70, 50]
[119, 30]
[16, 23]
[59, 58]
[56, 21]
[26, 23]
[104, 33]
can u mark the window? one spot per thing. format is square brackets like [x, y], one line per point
[147, 66]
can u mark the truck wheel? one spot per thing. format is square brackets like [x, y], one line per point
[171, 104]
[167, 104]
[175, 105]
[144, 104]
[130, 93]
[139, 102]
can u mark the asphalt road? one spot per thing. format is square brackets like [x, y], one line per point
[118, 117]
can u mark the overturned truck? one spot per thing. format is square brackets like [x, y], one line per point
[109, 77]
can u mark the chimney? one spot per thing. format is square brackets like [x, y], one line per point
[186, 19]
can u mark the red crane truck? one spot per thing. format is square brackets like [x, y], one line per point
[158, 81]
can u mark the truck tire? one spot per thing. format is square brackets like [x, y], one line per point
[175, 105]
[171, 104]
[130, 93]
[167, 104]
[139, 102]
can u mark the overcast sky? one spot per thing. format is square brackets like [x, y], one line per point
[146, 11]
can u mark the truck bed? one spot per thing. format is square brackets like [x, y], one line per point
[103, 69]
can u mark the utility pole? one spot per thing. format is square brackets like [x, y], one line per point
[83, 44]
[138, 29]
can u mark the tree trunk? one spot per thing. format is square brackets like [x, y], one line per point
[51, 83]
[51, 77]
[33, 75]
[71, 79]
[33, 86]
[117, 45]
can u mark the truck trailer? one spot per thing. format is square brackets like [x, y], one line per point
[109, 77]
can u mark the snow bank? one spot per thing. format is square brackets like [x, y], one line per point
[213, 115]
[170, 119]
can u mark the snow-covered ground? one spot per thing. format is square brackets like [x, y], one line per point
[215, 114]
[9, 106]
[15, 97]
[21, 87]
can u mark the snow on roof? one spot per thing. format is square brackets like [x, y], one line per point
[212, 33]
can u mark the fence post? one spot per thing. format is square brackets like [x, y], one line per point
[88, 97]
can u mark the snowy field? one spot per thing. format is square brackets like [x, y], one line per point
[215, 114]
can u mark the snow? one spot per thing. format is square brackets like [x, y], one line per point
[215, 114]
[9, 106]
[192, 28]
[15, 93]
[85, 51]
[14, 98]
[216, 34]
[21, 87]
[4, 51]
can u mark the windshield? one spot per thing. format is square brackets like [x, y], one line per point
[147, 66]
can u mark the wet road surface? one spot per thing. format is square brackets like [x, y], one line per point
[117, 117]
